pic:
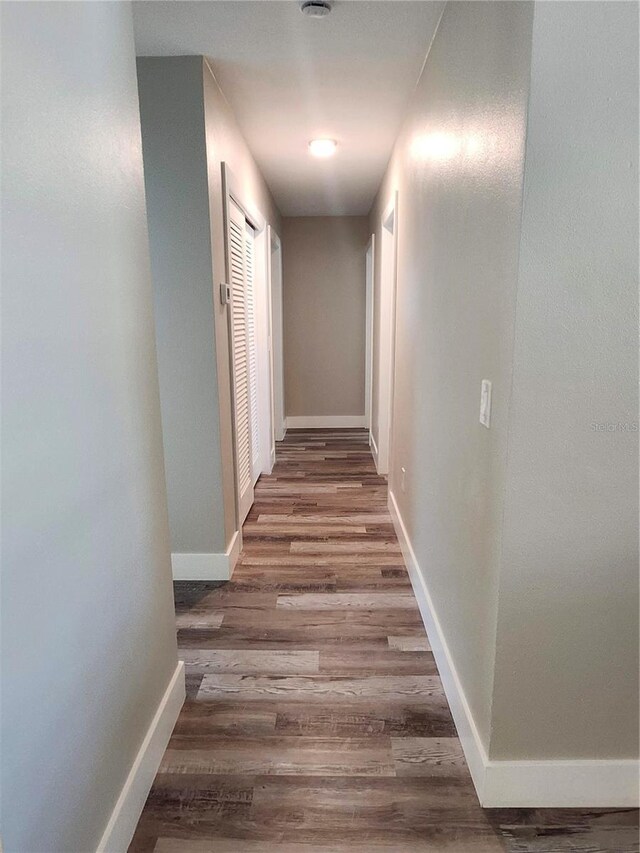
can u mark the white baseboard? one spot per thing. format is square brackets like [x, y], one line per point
[562, 784]
[374, 449]
[207, 567]
[467, 731]
[128, 808]
[233, 551]
[326, 422]
[515, 784]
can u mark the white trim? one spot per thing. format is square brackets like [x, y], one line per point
[374, 450]
[243, 501]
[265, 337]
[276, 282]
[207, 567]
[515, 784]
[368, 358]
[562, 784]
[263, 332]
[234, 189]
[233, 550]
[326, 422]
[467, 732]
[385, 324]
[128, 808]
[256, 341]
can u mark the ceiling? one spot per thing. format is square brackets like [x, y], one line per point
[290, 78]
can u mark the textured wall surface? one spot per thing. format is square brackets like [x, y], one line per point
[88, 630]
[518, 263]
[458, 167]
[175, 162]
[324, 314]
[566, 680]
[188, 131]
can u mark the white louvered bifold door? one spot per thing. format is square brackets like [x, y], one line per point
[240, 355]
[253, 351]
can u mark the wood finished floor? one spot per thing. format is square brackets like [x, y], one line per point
[315, 720]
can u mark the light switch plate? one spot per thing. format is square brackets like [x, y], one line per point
[485, 403]
[225, 294]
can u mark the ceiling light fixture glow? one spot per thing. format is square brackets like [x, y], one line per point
[323, 147]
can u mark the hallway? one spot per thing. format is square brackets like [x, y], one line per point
[320, 333]
[315, 719]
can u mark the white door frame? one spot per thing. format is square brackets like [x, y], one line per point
[368, 366]
[231, 191]
[275, 278]
[243, 495]
[263, 340]
[387, 324]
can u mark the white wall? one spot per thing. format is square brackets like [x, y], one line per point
[88, 642]
[324, 303]
[277, 338]
[566, 681]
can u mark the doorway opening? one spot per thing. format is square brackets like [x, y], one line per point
[384, 324]
[368, 367]
[277, 355]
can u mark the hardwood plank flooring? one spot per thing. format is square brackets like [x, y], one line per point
[315, 719]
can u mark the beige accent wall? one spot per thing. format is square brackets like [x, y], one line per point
[458, 239]
[566, 677]
[225, 144]
[88, 628]
[324, 315]
[188, 131]
[526, 533]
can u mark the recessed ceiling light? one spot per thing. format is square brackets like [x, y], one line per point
[323, 147]
[316, 8]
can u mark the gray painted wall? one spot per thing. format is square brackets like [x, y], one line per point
[174, 147]
[526, 533]
[188, 130]
[566, 681]
[458, 167]
[225, 144]
[324, 314]
[88, 631]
